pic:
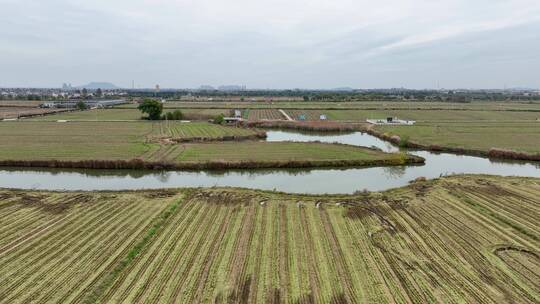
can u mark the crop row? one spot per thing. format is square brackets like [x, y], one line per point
[467, 239]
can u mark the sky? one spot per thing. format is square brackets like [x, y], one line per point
[312, 44]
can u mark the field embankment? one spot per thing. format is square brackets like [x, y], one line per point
[471, 239]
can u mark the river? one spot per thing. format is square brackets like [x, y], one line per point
[314, 181]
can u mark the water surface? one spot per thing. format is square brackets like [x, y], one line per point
[316, 181]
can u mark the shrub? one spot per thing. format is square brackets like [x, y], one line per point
[81, 105]
[404, 141]
[175, 115]
[219, 119]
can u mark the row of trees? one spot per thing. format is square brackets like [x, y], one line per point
[154, 110]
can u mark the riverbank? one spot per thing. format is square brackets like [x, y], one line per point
[410, 139]
[405, 141]
[430, 240]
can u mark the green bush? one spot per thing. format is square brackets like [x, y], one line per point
[219, 119]
[81, 105]
[175, 115]
[404, 141]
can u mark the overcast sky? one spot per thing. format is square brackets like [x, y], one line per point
[271, 44]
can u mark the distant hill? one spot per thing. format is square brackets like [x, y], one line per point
[99, 85]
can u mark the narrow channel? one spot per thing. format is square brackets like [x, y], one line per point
[314, 181]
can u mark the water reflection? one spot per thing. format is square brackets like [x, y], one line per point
[319, 181]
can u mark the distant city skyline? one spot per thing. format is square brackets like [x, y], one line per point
[279, 44]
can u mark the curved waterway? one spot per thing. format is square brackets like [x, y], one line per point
[315, 181]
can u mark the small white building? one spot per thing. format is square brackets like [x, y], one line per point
[391, 121]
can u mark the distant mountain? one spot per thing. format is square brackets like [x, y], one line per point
[99, 85]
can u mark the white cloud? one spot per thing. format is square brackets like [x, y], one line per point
[260, 43]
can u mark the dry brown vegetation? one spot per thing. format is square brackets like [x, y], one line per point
[19, 112]
[461, 239]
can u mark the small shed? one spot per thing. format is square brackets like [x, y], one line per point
[322, 117]
[237, 113]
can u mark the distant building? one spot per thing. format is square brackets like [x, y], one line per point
[322, 117]
[391, 121]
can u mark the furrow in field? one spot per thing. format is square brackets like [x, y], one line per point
[49, 240]
[237, 271]
[47, 249]
[339, 256]
[158, 252]
[194, 247]
[199, 286]
[81, 253]
[118, 240]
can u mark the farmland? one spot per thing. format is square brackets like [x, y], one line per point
[62, 143]
[263, 114]
[455, 239]
[417, 115]
[197, 130]
[260, 151]
[95, 115]
[482, 136]
[16, 112]
[72, 141]
[357, 105]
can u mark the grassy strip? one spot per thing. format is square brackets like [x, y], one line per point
[305, 125]
[258, 135]
[109, 278]
[403, 159]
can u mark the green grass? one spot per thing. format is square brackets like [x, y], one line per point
[461, 239]
[517, 136]
[72, 141]
[197, 130]
[76, 141]
[277, 151]
[94, 115]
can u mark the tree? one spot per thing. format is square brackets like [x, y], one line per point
[151, 107]
[81, 105]
[99, 92]
[84, 92]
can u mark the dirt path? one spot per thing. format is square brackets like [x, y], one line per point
[285, 114]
